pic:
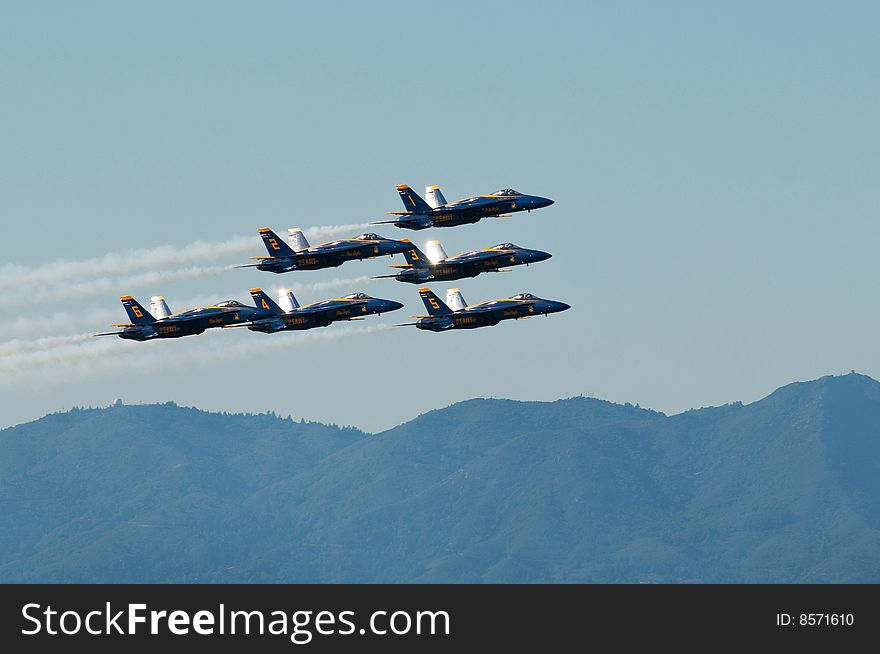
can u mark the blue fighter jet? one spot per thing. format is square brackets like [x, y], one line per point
[439, 213]
[436, 266]
[144, 326]
[284, 258]
[455, 314]
[291, 316]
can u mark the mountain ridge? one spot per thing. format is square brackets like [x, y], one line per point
[784, 489]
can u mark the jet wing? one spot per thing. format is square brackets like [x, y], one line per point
[190, 314]
[181, 317]
[477, 255]
[471, 203]
[275, 322]
[330, 305]
[488, 307]
[336, 247]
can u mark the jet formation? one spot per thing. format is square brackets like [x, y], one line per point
[296, 254]
[265, 316]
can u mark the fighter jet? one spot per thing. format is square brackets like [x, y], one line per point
[440, 213]
[301, 256]
[291, 316]
[144, 326]
[436, 266]
[455, 314]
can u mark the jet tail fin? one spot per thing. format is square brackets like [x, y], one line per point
[455, 299]
[297, 239]
[416, 258]
[159, 307]
[435, 251]
[287, 300]
[434, 304]
[412, 201]
[434, 197]
[263, 301]
[275, 246]
[136, 313]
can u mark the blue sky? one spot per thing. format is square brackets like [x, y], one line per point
[714, 169]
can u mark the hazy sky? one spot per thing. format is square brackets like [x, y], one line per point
[715, 171]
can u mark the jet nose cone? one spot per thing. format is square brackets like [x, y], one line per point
[540, 202]
[538, 255]
[391, 305]
[562, 306]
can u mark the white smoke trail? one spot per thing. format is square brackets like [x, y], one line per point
[60, 354]
[69, 362]
[165, 257]
[20, 346]
[104, 285]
